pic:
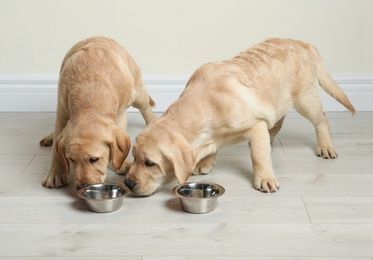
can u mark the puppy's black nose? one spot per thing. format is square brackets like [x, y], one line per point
[130, 183]
[81, 185]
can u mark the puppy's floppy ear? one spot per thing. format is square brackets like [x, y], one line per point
[120, 146]
[60, 148]
[182, 160]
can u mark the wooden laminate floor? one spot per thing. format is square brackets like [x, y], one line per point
[324, 209]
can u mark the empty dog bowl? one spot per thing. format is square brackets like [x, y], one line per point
[104, 197]
[198, 197]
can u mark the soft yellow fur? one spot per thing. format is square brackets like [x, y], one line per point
[98, 81]
[245, 98]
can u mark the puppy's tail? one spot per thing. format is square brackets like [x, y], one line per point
[330, 86]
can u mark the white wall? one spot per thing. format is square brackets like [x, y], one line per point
[170, 38]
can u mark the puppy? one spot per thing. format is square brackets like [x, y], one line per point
[98, 81]
[242, 99]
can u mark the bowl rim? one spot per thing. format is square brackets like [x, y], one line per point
[80, 192]
[221, 192]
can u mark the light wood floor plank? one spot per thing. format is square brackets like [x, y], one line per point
[187, 239]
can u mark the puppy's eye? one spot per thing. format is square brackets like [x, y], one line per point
[149, 163]
[93, 160]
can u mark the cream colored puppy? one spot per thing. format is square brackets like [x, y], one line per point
[242, 99]
[98, 81]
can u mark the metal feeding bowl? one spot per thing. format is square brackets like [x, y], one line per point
[103, 197]
[197, 197]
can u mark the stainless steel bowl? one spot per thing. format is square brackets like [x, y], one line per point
[103, 197]
[198, 197]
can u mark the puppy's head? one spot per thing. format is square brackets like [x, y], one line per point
[159, 155]
[88, 152]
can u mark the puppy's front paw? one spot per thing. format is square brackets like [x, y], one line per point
[125, 168]
[267, 184]
[47, 140]
[203, 167]
[198, 171]
[326, 152]
[52, 180]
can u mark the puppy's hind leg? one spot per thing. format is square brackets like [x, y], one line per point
[325, 148]
[147, 113]
[310, 106]
[144, 104]
[274, 130]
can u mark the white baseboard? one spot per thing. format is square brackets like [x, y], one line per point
[39, 94]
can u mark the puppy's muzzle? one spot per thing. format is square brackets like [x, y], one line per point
[130, 183]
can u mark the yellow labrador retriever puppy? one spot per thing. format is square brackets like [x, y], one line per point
[98, 81]
[245, 98]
